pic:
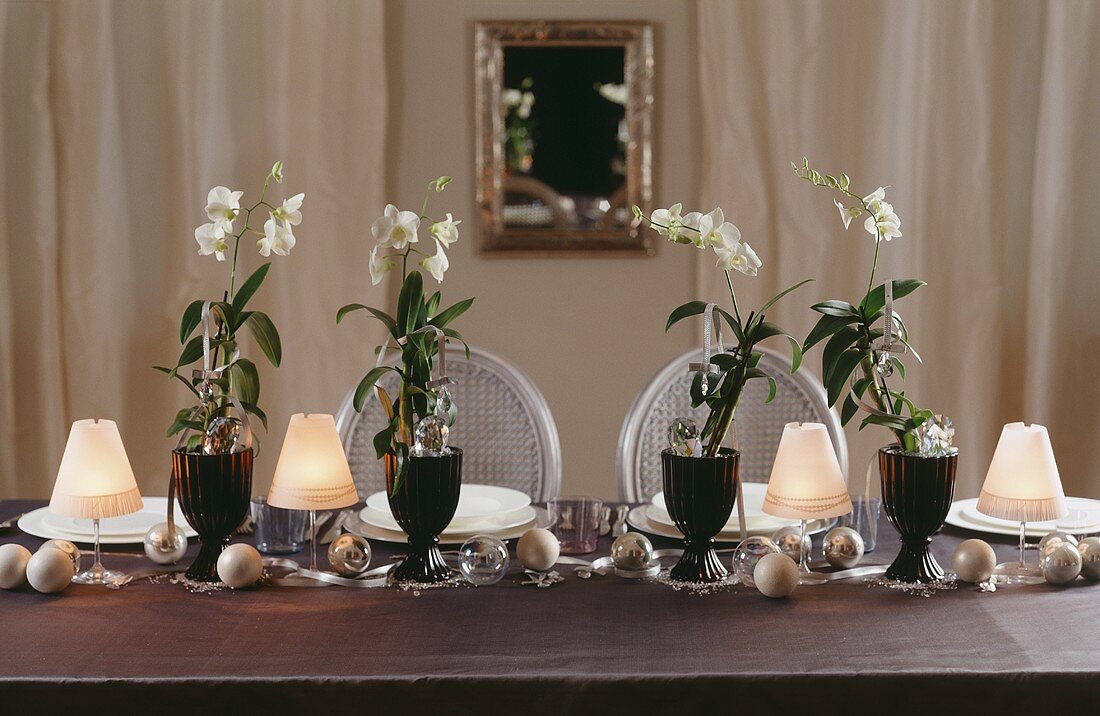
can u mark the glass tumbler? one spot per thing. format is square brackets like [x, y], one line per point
[864, 519]
[576, 523]
[278, 531]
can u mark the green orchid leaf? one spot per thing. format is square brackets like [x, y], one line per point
[255, 410]
[446, 316]
[840, 309]
[267, 338]
[826, 326]
[848, 410]
[432, 304]
[191, 317]
[244, 381]
[409, 302]
[796, 354]
[842, 369]
[772, 389]
[691, 308]
[171, 373]
[365, 385]
[249, 287]
[841, 341]
[781, 294]
[875, 300]
[190, 353]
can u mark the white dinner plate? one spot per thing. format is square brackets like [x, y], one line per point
[638, 518]
[1082, 515]
[503, 521]
[475, 503]
[365, 529]
[45, 524]
[752, 492]
[959, 516]
[753, 523]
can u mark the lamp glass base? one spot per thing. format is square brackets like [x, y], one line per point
[101, 576]
[809, 578]
[1017, 573]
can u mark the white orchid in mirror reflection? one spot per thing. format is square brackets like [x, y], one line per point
[277, 238]
[396, 229]
[290, 210]
[223, 206]
[211, 240]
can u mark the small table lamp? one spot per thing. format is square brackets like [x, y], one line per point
[95, 480]
[312, 473]
[1022, 485]
[806, 483]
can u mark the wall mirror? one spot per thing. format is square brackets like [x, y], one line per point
[564, 131]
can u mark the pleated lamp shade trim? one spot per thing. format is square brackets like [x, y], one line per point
[97, 506]
[299, 498]
[1021, 510]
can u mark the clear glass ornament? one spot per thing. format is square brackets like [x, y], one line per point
[935, 436]
[217, 427]
[443, 402]
[632, 552]
[430, 436]
[885, 366]
[483, 560]
[789, 541]
[748, 553]
[683, 436]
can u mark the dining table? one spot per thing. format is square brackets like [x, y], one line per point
[604, 644]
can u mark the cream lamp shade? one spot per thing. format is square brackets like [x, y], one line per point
[95, 479]
[1023, 484]
[313, 472]
[806, 482]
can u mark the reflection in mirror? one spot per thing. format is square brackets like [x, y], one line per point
[564, 141]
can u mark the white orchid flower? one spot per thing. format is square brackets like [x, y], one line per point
[692, 222]
[511, 97]
[395, 228]
[883, 223]
[278, 238]
[379, 265]
[740, 257]
[714, 230]
[445, 232]
[290, 210]
[437, 265]
[846, 214]
[211, 239]
[662, 220]
[222, 207]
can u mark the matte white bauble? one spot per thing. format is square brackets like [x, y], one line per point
[974, 561]
[1062, 564]
[776, 575]
[68, 548]
[1090, 558]
[538, 549]
[240, 565]
[13, 565]
[49, 570]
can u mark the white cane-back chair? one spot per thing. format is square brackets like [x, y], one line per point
[504, 428]
[759, 426]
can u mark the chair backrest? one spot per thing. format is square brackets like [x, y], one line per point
[759, 426]
[504, 428]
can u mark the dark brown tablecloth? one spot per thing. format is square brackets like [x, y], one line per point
[604, 645]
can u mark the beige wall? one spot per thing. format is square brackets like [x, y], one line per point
[587, 329]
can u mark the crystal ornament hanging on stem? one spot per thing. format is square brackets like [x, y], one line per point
[889, 343]
[430, 436]
[707, 369]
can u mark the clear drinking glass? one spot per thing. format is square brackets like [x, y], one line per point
[576, 523]
[864, 519]
[278, 531]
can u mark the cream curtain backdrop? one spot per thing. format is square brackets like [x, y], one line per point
[982, 118]
[117, 118]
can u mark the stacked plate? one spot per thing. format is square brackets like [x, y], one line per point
[1082, 518]
[482, 510]
[654, 518]
[128, 529]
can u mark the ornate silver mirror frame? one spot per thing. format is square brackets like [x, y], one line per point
[621, 233]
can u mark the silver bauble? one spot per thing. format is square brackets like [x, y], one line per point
[483, 560]
[631, 552]
[748, 553]
[1089, 548]
[843, 547]
[974, 561]
[788, 540]
[349, 555]
[163, 547]
[1062, 564]
[68, 548]
[1052, 539]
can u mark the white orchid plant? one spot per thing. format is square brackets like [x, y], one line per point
[720, 387]
[864, 344]
[232, 377]
[416, 326]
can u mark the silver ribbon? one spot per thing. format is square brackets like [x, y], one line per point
[708, 323]
[300, 576]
